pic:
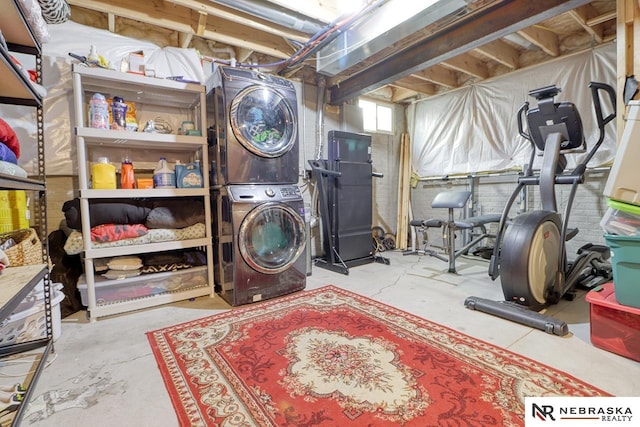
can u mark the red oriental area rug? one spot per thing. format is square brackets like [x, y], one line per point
[329, 357]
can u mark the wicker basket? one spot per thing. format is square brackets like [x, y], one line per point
[26, 251]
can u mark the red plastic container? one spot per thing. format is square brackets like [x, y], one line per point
[614, 327]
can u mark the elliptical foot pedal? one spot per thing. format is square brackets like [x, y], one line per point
[519, 314]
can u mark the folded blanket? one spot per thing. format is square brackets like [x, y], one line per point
[74, 244]
[107, 211]
[113, 232]
[12, 169]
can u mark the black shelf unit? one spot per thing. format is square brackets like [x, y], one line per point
[19, 281]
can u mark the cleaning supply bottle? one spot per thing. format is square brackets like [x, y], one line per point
[98, 112]
[163, 176]
[93, 54]
[103, 175]
[127, 178]
[189, 175]
[119, 113]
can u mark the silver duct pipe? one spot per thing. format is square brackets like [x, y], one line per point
[322, 84]
[273, 13]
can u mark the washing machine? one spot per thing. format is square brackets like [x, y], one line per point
[259, 242]
[252, 121]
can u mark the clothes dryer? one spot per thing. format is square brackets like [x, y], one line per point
[252, 123]
[259, 242]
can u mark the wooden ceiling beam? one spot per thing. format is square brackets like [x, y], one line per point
[602, 18]
[184, 39]
[438, 75]
[468, 64]
[467, 33]
[416, 85]
[543, 38]
[111, 22]
[233, 15]
[201, 24]
[401, 94]
[582, 15]
[179, 19]
[501, 52]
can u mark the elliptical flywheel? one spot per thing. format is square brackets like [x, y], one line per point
[530, 254]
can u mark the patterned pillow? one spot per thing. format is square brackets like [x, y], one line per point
[55, 11]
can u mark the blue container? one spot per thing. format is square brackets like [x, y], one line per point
[625, 264]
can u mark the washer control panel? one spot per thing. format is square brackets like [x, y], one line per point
[270, 192]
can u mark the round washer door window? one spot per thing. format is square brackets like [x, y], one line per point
[263, 121]
[271, 237]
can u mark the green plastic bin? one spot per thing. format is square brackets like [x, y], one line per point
[625, 265]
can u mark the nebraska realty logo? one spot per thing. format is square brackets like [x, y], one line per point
[582, 411]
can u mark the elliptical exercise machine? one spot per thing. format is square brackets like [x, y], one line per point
[529, 254]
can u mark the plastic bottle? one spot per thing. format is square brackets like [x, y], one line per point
[127, 178]
[103, 174]
[189, 175]
[98, 112]
[119, 113]
[93, 54]
[163, 176]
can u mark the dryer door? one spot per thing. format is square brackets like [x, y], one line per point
[263, 121]
[271, 237]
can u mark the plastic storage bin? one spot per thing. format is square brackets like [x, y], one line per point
[623, 183]
[625, 265]
[621, 218]
[614, 327]
[29, 323]
[111, 290]
[14, 210]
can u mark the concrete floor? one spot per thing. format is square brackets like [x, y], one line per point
[104, 374]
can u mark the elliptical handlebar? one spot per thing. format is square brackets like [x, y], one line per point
[522, 112]
[595, 87]
[600, 119]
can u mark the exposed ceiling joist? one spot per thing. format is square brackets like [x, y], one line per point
[500, 52]
[176, 18]
[400, 94]
[485, 26]
[234, 16]
[416, 85]
[543, 38]
[438, 75]
[111, 22]
[468, 64]
[582, 15]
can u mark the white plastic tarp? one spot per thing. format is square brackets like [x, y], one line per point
[475, 129]
[58, 104]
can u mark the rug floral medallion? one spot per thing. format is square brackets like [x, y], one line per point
[329, 357]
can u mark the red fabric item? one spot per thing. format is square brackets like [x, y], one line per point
[112, 232]
[329, 357]
[9, 138]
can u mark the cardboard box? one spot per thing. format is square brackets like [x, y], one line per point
[136, 62]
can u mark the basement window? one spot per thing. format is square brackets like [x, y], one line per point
[376, 117]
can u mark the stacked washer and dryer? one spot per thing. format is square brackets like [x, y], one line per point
[258, 213]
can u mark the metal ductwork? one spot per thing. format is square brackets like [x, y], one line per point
[271, 12]
[392, 22]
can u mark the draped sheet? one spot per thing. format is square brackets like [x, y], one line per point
[474, 129]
